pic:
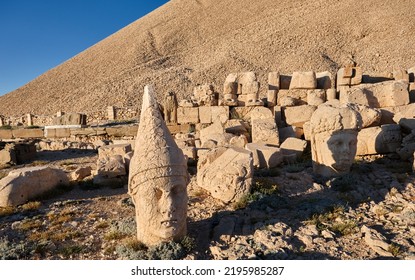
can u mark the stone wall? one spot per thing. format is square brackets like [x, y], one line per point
[92, 117]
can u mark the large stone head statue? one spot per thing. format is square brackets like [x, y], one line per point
[333, 139]
[158, 178]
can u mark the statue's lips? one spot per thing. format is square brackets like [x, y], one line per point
[169, 223]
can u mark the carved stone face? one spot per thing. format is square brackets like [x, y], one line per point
[161, 208]
[334, 153]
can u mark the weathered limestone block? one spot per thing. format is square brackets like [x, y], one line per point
[370, 116]
[408, 146]
[187, 115]
[241, 78]
[265, 156]
[179, 128]
[70, 119]
[288, 101]
[331, 94]
[238, 141]
[205, 95]
[400, 74]
[333, 140]
[379, 140]
[111, 113]
[349, 76]
[278, 116]
[185, 103]
[7, 154]
[87, 131]
[273, 88]
[158, 179]
[27, 183]
[122, 131]
[100, 131]
[290, 131]
[237, 127]
[111, 167]
[6, 134]
[189, 152]
[298, 115]
[386, 94]
[296, 96]
[293, 147]
[220, 114]
[324, 80]
[113, 150]
[247, 113]
[227, 175]
[16, 153]
[57, 132]
[29, 119]
[205, 114]
[210, 144]
[404, 112]
[80, 173]
[307, 131]
[376, 241]
[303, 80]
[112, 164]
[28, 133]
[213, 129]
[265, 131]
[316, 97]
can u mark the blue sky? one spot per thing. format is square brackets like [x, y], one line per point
[37, 35]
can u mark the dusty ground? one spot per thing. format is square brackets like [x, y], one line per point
[290, 215]
[189, 42]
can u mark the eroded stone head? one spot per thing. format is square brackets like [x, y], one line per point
[334, 139]
[158, 178]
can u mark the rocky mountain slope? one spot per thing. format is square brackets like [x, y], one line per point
[187, 42]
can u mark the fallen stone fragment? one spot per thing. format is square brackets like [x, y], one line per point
[376, 241]
[80, 173]
[226, 173]
[27, 183]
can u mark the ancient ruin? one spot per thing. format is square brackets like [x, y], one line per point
[333, 140]
[170, 108]
[308, 139]
[158, 178]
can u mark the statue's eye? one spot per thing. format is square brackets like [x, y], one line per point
[158, 193]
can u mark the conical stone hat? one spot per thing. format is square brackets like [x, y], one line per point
[156, 153]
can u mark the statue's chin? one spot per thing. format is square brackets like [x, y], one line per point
[342, 166]
[169, 229]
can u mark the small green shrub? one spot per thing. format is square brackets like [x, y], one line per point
[125, 226]
[394, 249]
[6, 211]
[6, 127]
[31, 206]
[329, 220]
[70, 250]
[10, 251]
[134, 250]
